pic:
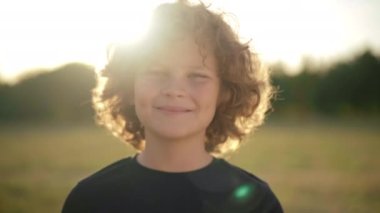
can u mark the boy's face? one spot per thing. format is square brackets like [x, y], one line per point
[176, 96]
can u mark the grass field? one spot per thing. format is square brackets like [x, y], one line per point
[324, 166]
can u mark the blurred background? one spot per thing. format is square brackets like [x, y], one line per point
[319, 149]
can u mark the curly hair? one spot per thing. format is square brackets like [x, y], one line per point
[245, 90]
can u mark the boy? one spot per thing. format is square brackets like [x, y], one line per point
[187, 92]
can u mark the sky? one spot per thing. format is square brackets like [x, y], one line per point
[43, 34]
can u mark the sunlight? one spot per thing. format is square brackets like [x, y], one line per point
[49, 33]
[44, 33]
[285, 30]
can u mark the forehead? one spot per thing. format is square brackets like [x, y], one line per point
[184, 51]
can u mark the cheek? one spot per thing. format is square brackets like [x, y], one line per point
[142, 109]
[208, 97]
[141, 90]
[141, 99]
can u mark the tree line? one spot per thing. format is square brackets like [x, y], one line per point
[63, 94]
[345, 88]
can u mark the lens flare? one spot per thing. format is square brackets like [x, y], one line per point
[243, 192]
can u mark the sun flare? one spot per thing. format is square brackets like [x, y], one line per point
[45, 34]
[48, 33]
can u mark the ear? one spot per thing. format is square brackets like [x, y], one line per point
[132, 100]
[130, 96]
[224, 95]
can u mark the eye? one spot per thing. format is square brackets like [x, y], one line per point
[198, 77]
[154, 75]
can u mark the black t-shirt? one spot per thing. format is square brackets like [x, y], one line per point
[128, 187]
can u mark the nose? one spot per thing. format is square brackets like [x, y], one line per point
[174, 87]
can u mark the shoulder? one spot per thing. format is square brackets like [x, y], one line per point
[243, 179]
[250, 189]
[114, 170]
[96, 186]
[104, 178]
[234, 175]
[241, 173]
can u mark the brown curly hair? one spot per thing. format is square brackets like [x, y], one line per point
[245, 91]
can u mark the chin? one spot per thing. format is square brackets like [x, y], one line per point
[176, 134]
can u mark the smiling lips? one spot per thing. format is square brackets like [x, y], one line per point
[173, 109]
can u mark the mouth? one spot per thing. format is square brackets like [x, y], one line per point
[173, 109]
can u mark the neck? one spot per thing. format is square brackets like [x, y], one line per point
[174, 156]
